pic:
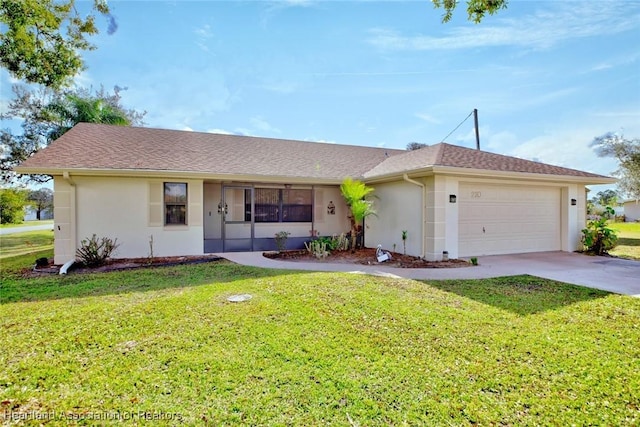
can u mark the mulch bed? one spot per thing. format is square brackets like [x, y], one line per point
[366, 256]
[123, 264]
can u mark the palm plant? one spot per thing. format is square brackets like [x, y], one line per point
[73, 109]
[354, 193]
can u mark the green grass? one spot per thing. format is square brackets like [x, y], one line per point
[28, 224]
[628, 240]
[316, 348]
[30, 242]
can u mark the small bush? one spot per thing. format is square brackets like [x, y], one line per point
[94, 252]
[340, 242]
[281, 240]
[597, 237]
[317, 248]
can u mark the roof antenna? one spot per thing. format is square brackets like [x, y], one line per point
[475, 120]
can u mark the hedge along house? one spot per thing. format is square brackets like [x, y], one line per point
[199, 193]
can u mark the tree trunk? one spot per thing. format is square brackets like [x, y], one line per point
[354, 235]
[38, 214]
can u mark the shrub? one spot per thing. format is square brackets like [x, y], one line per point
[281, 240]
[317, 248]
[94, 252]
[340, 242]
[597, 237]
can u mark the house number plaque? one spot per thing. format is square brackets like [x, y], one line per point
[476, 194]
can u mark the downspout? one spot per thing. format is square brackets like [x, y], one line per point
[72, 214]
[424, 211]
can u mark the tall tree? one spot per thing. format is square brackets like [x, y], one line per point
[41, 39]
[476, 9]
[41, 200]
[354, 193]
[46, 115]
[627, 152]
[12, 203]
[606, 198]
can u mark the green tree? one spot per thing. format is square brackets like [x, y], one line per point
[412, 146]
[41, 39]
[627, 152]
[354, 193]
[476, 9]
[41, 200]
[12, 203]
[46, 115]
[606, 198]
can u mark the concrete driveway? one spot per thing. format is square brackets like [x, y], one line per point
[609, 274]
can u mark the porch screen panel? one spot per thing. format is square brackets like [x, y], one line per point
[296, 206]
[278, 205]
[267, 204]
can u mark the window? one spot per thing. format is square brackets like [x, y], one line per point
[296, 205]
[175, 203]
[277, 205]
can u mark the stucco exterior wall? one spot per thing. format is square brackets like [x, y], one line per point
[64, 213]
[127, 209]
[325, 223]
[398, 207]
[632, 211]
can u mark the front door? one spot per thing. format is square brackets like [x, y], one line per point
[237, 219]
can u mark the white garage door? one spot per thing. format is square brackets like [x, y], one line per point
[503, 219]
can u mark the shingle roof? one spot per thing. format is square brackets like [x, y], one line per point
[444, 154]
[93, 146]
[105, 147]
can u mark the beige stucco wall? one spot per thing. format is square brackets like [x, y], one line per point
[64, 213]
[126, 209]
[398, 207]
[329, 224]
[632, 211]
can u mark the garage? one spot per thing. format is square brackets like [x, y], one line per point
[501, 219]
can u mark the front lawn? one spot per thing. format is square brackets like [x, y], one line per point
[628, 240]
[314, 348]
[28, 223]
[28, 242]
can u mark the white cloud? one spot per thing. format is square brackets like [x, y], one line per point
[540, 30]
[428, 118]
[220, 131]
[324, 141]
[281, 87]
[626, 59]
[275, 7]
[203, 34]
[261, 124]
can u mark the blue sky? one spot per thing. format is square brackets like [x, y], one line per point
[545, 76]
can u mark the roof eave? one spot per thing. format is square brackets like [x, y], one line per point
[166, 174]
[485, 173]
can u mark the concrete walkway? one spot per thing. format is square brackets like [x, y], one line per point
[609, 274]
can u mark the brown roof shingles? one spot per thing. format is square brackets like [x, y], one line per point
[104, 147]
[90, 146]
[444, 154]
